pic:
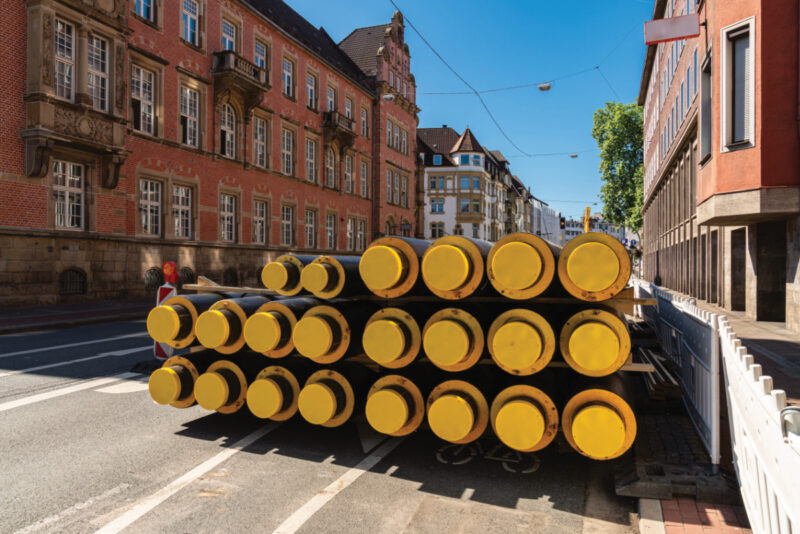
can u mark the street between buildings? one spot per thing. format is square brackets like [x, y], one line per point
[87, 450]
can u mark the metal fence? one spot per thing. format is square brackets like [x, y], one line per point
[689, 337]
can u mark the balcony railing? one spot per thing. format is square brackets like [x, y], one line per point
[334, 119]
[229, 62]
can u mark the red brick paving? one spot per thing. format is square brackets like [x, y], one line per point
[687, 516]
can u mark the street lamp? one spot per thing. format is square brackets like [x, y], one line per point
[389, 97]
[544, 86]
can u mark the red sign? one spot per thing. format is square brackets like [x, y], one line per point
[170, 271]
[672, 29]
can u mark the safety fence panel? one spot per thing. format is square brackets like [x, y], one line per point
[688, 337]
[765, 439]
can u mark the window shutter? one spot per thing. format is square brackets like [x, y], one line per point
[136, 108]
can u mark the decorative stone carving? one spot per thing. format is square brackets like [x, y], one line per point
[110, 165]
[37, 155]
[119, 78]
[74, 123]
[47, 50]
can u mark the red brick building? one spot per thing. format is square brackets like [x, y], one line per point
[722, 157]
[214, 133]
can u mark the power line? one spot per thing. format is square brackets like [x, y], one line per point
[477, 94]
[607, 82]
[546, 154]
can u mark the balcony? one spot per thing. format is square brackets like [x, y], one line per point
[338, 130]
[234, 74]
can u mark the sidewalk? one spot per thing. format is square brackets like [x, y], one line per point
[73, 314]
[687, 516]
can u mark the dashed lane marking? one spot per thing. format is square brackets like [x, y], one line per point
[65, 391]
[68, 345]
[142, 507]
[69, 362]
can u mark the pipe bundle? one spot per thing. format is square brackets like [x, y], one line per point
[462, 334]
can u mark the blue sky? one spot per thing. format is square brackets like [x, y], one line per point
[510, 42]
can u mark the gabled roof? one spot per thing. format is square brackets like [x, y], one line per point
[440, 140]
[499, 156]
[362, 46]
[467, 143]
[316, 39]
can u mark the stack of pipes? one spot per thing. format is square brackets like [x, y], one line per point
[462, 334]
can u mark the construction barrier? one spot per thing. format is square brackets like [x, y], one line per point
[456, 333]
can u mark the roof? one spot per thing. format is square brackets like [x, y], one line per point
[499, 156]
[362, 46]
[659, 10]
[316, 39]
[467, 143]
[440, 140]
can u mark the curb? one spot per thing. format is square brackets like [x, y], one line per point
[68, 323]
[651, 520]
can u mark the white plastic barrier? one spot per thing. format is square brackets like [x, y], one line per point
[766, 445]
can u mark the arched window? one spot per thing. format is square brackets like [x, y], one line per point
[330, 175]
[227, 131]
[72, 282]
[153, 278]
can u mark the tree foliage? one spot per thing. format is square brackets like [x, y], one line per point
[618, 131]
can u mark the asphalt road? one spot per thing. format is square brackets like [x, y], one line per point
[84, 449]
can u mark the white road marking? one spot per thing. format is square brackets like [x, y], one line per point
[72, 510]
[59, 364]
[467, 494]
[64, 391]
[143, 506]
[68, 345]
[304, 513]
[132, 386]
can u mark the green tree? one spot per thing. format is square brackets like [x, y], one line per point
[618, 131]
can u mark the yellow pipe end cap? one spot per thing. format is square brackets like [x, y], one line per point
[315, 277]
[211, 391]
[447, 342]
[519, 424]
[164, 386]
[594, 346]
[593, 266]
[387, 411]
[517, 265]
[445, 267]
[517, 345]
[264, 398]
[317, 403]
[598, 431]
[275, 275]
[163, 324]
[384, 341]
[451, 417]
[312, 337]
[262, 331]
[381, 267]
[212, 329]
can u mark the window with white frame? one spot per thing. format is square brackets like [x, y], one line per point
[311, 160]
[738, 85]
[404, 142]
[150, 206]
[389, 189]
[348, 174]
[361, 235]
[464, 205]
[227, 131]
[228, 35]
[227, 217]
[397, 188]
[437, 205]
[144, 8]
[364, 123]
[260, 54]
[143, 99]
[287, 151]
[330, 230]
[97, 66]
[331, 94]
[190, 13]
[288, 77]
[351, 233]
[330, 168]
[260, 221]
[68, 186]
[190, 117]
[65, 60]
[364, 179]
[287, 225]
[311, 229]
[348, 107]
[182, 210]
[464, 159]
[388, 133]
[404, 191]
[260, 142]
[311, 91]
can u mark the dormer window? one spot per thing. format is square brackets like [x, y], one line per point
[476, 160]
[465, 159]
[437, 159]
